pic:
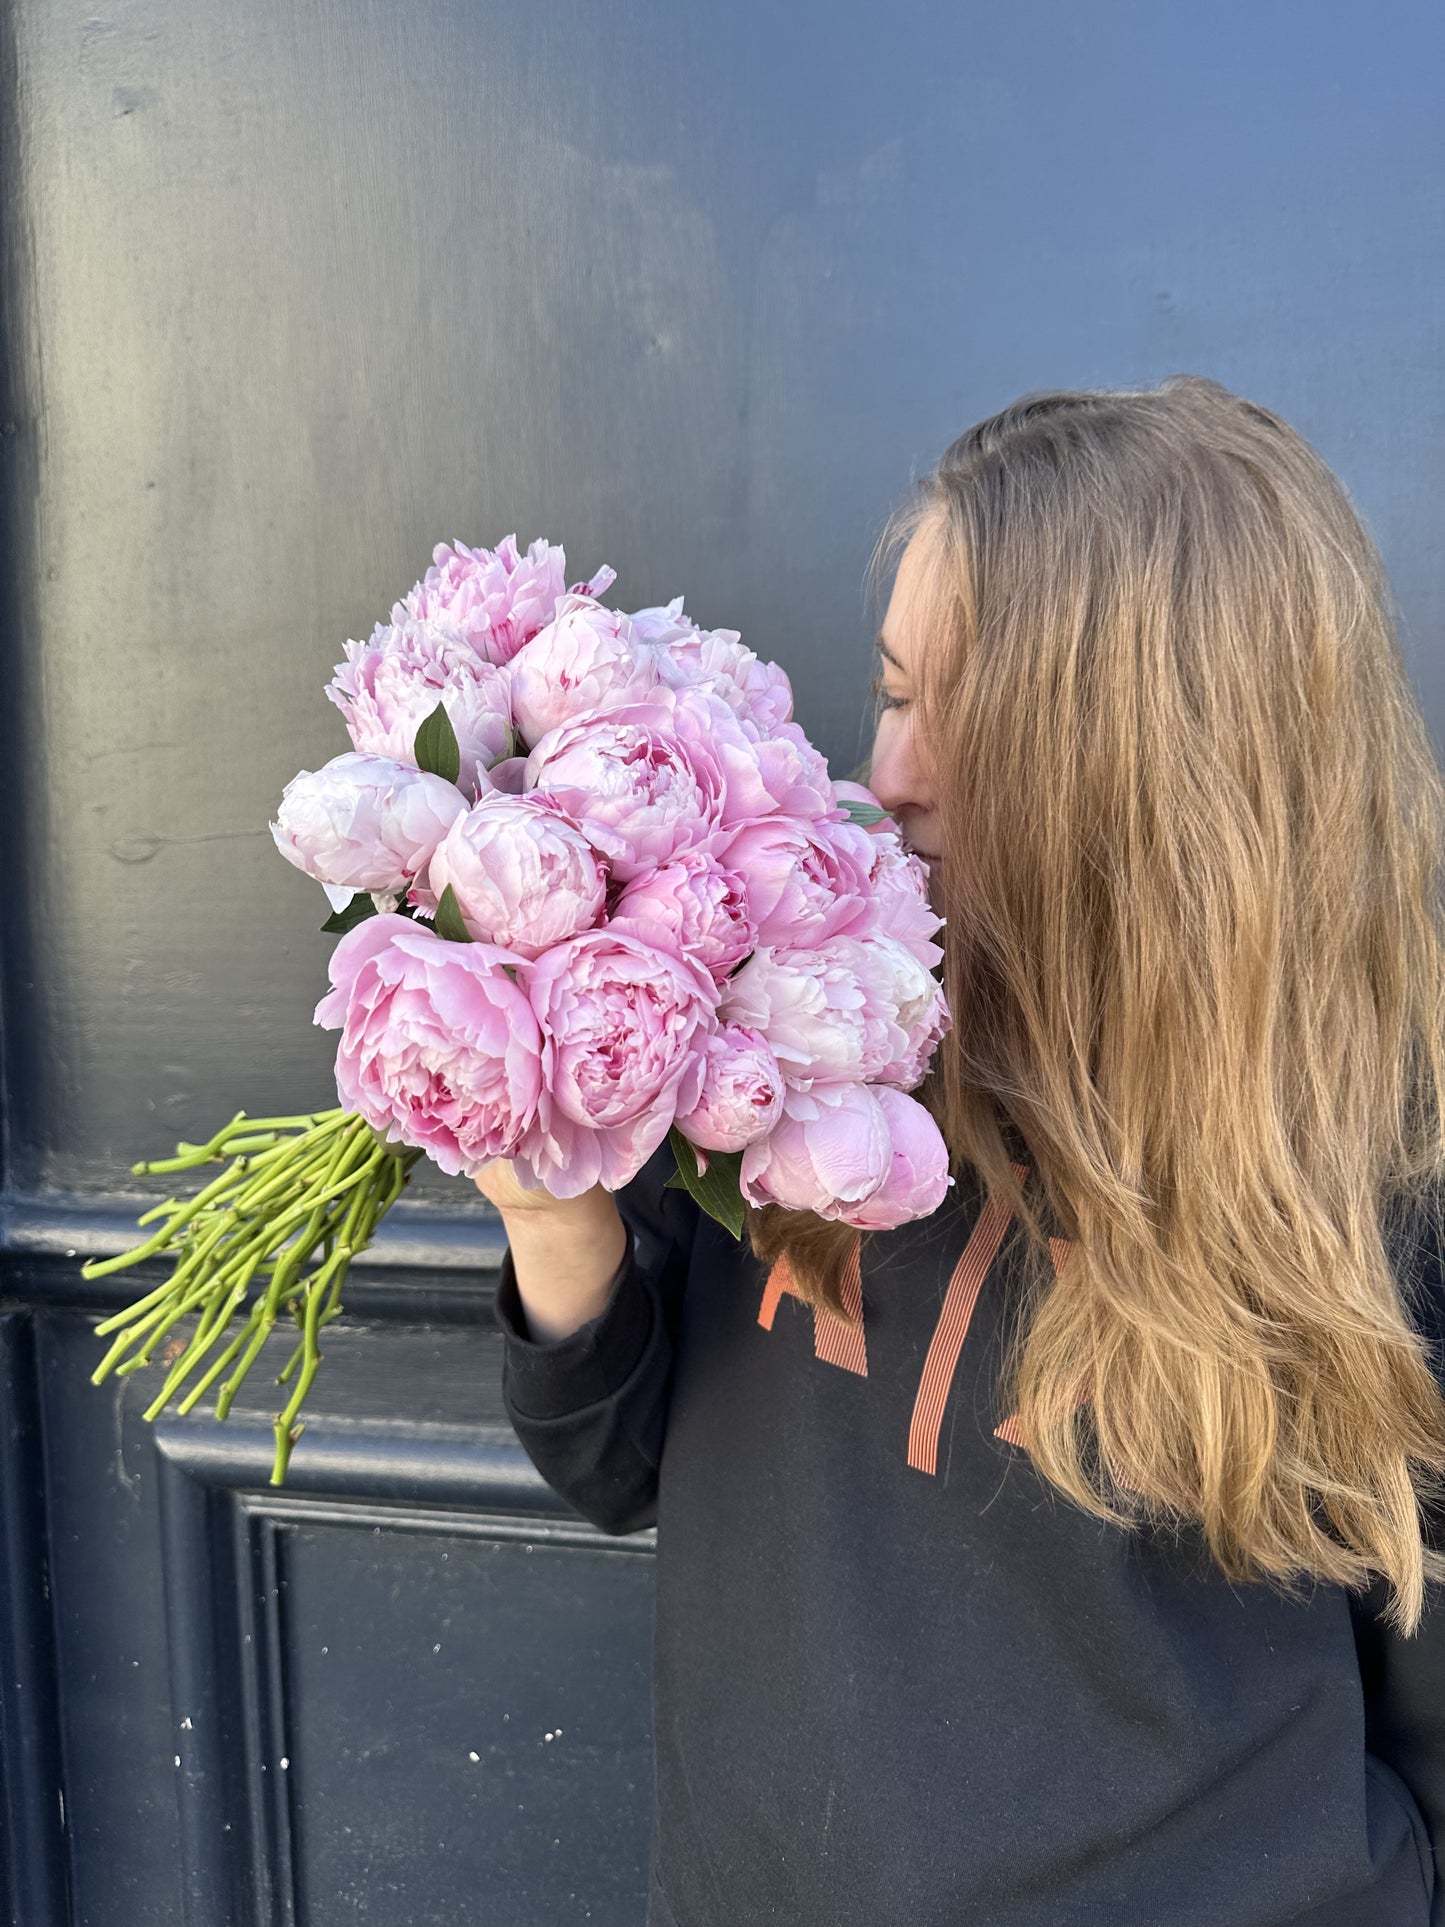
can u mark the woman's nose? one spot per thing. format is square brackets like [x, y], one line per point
[895, 778]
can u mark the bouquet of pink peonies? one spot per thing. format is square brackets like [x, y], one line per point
[594, 890]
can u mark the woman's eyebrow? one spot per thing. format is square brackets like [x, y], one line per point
[888, 655]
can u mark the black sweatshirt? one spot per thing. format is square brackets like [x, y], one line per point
[898, 1679]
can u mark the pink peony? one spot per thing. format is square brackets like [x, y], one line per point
[439, 1047]
[742, 1092]
[917, 1180]
[692, 906]
[639, 794]
[388, 687]
[828, 1153]
[494, 601]
[846, 792]
[761, 775]
[524, 876]
[792, 774]
[899, 882]
[583, 662]
[805, 882]
[621, 1024]
[364, 823]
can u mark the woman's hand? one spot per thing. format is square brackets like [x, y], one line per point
[565, 1251]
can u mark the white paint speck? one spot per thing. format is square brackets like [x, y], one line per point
[284, 1763]
[178, 1759]
[436, 1649]
[474, 1758]
[186, 1724]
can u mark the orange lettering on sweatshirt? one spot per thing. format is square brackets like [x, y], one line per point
[835, 1340]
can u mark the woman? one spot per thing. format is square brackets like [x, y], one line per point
[1069, 1556]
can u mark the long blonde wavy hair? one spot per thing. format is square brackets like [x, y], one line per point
[1192, 838]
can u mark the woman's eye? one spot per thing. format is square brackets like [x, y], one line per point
[884, 699]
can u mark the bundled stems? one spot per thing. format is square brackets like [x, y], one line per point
[272, 1235]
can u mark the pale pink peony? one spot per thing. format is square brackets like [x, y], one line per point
[364, 823]
[524, 876]
[759, 691]
[582, 663]
[859, 1009]
[716, 660]
[621, 1025]
[917, 1180]
[693, 906]
[596, 585]
[664, 627]
[805, 882]
[902, 993]
[742, 1092]
[494, 601]
[509, 776]
[815, 1013]
[829, 1153]
[439, 1047]
[639, 794]
[387, 688]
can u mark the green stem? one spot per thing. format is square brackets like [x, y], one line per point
[307, 1154]
[163, 1308]
[280, 1201]
[158, 1211]
[227, 1396]
[133, 1315]
[217, 1366]
[285, 1436]
[306, 1121]
[212, 1323]
[215, 1189]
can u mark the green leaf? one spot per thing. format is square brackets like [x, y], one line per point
[512, 747]
[435, 746]
[863, 814]
[448, 922]
[357, 911]
[717, 1188]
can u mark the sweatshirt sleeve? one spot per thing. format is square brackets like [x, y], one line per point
[1404, 1678]
[591, 1409]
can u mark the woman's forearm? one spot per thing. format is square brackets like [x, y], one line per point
[565, 1265]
